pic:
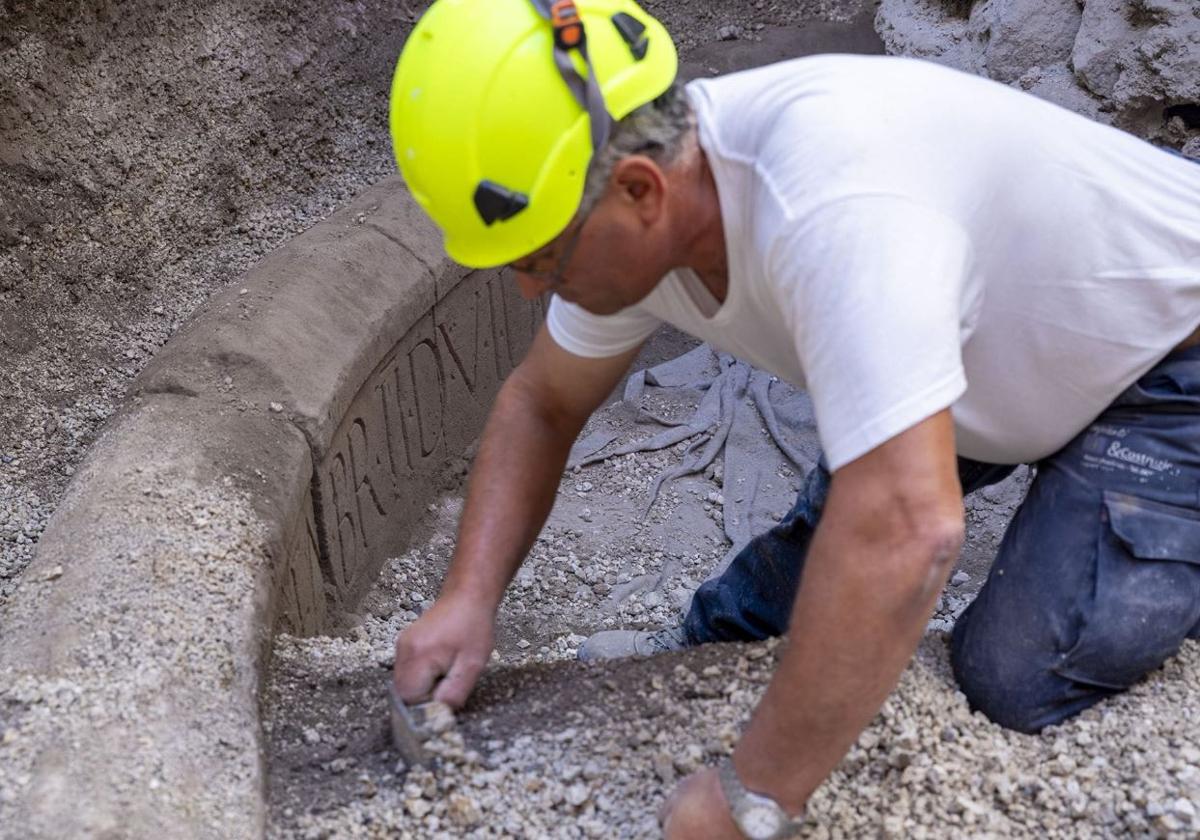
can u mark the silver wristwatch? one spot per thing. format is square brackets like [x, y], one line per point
[758, 817]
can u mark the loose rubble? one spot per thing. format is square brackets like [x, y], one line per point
[549, 747]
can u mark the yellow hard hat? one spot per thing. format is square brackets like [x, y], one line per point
[498, 105]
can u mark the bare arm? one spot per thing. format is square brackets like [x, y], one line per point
[536, 417]
[888, 537]
[535, 420]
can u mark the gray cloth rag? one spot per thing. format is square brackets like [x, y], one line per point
[757, 422]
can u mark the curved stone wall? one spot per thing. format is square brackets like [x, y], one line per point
[263, 468]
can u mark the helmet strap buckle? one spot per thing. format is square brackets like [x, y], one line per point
[568, 27]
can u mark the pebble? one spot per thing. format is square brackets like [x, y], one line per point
[437, 718]
[463, 810]
[578, 793]
[418, 807]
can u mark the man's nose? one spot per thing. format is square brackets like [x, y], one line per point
[531, 287]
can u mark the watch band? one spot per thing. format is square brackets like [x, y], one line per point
[757, 817]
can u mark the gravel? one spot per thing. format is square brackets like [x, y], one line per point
[550, 747]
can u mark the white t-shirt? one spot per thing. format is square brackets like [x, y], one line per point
[903, 237]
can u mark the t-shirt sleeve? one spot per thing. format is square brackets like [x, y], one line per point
[580, 332]
[876, 291]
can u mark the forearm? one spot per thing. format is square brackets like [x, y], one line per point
[510, 493]
[860, 612]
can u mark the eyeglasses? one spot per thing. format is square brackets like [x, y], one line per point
[554, 277]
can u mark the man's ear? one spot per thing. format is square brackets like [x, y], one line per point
[641, 185]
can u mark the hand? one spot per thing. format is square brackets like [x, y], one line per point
[697, 810]
[443, 652]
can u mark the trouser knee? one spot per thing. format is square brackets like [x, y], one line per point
[1013, 687]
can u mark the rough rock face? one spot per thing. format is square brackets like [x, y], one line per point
[1141, 56]
[1132, 63]
[1025, 34]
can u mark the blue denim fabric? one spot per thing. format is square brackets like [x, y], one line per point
[1097, 580]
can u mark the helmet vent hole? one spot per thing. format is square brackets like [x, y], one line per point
[633, 31]
[496, 203]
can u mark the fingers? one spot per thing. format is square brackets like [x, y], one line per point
[415, 680]
[417, 671]
[456, 686]
[443, 653]
[667, 808]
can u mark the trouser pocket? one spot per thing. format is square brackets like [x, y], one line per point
[1146, 598]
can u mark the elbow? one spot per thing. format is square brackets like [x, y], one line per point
[931, 550]
[908, 550]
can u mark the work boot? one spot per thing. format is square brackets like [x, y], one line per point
[617, 644]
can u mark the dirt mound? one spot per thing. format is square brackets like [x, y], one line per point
[150, 153]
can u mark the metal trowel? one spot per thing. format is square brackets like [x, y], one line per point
[406, 738]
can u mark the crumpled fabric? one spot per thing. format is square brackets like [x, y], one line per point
[754, 421]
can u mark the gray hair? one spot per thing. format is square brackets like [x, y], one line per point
[656, 129]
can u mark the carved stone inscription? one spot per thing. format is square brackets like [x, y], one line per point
[300, 598]
[423, 405]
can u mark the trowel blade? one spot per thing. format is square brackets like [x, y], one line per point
[405, 737]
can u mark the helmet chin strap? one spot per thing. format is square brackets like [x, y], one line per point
[569, 35]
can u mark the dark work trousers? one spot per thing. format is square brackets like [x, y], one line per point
[1096, 582]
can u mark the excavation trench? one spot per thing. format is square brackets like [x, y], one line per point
[201, 645]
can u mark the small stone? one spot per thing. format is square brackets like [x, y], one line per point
[966, 805]
[523, 644]
[418, 807]
[276, 407]
[578, 793]
[664, 768]
[960, 578]
[53, 573]
[10, 735]
[1183, 809]
[463, 810]
[368, 788]
[437, 717]
[311, 736]
[729, 33]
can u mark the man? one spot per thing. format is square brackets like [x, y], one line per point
[965, 278]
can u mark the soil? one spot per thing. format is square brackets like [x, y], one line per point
[551, 747]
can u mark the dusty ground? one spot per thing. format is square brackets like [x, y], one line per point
[550, 747]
